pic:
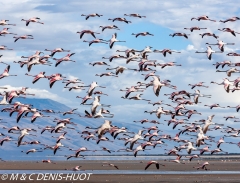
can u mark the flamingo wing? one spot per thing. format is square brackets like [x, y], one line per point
[52, 81]
[148, 165]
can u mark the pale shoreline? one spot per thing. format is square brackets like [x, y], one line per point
[215, 165]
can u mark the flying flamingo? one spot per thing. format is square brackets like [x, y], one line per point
[209, 34]
[84, 99]
[113, 40]
[76, 168]
[12, 94]
[177, 160]
[23, 133]
[230, 71]
[197, 94]
[153, 162]
[64, 59]
[130, 90]
[102, 139]
[203, 166]
[5, 139]
[56, 77]
[233, 54]
[165, 51]
[37, 115]
[57, 50]
[106, 74]
[139, 148]
[4, 22]
[135, 15]
[144, 52]
[204, 17]
[148, 75]
[112, 165]
[3, 47]
[137, 97]
[114, 57]
[5, 31]
[236, 82]
[73, 81]
[142, 34]
[179, 34]
[229, 30]
[205, 149]
[99, 93]
[92, 15]
[33, 151]
[6, 72]
[191, 157]
[95, 104]
[224, 63]
[96, 41]
[191, 112]
[57, 146]
[190, 148]
[34, 19]
[226, 84]
[120, 19]
[98, 63]
[209, 52]
[233, 19]
[169, 64]
[214, 105]
[92, 86]
[109, 27]
[37, 77]
[220, 141]
[135, 138]
[62, 136]
[119, 69]
[48, 161]
[194, 28]
[14, 128]
[128, 52]
[77, 153]
[70, 112]
[23, 37]
[217, 151]
[237, 107]
[87, 32]
[74, 88]
[208, 122]
[157, 85]
[221, 45]
[230, 117]
[103, 128]
[200, 84]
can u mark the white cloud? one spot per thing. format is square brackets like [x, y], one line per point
[39, 93]
[190, 47]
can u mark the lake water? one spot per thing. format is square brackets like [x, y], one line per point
[112, 172]
[162, 157]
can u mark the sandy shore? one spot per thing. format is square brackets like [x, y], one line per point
[88, 166]
[147, 178]
[233, 165]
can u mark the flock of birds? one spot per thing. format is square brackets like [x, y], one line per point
[196, 132]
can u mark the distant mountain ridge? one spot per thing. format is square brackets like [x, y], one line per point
[40, 103]
[10, 151]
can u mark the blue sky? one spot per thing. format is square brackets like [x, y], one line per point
[62, 20]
